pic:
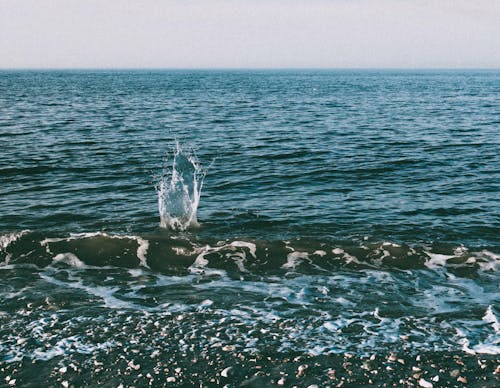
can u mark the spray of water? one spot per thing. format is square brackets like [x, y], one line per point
[179, 191]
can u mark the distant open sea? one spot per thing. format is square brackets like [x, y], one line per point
[250, 228]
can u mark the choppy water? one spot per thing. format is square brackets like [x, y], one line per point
[343, 214]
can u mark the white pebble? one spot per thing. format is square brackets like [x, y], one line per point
[171, 379]
[63, 369]
[424, 383]
[225, 372]
[65, 384]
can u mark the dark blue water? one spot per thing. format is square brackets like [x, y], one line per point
[342, 212]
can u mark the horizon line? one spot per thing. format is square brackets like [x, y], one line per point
[246, 68]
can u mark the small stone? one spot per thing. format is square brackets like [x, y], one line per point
[462, 380]
[281, 381]
[313, 386]
[392, 357]
[435, 378]
[454, 373]
[65, 384]
[418, 358]
[63, 370]
[401, 361]
[171, 379]
[226, 372]
[415, 369]
[424, 383]
[178, 370]
[12, 382]
[301, 370]
[154, 354]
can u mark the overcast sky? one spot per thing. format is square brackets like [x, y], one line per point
[249, 34]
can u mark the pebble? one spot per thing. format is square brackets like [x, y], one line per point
[462, 380]
[313, 386]
[63, 369]
[281, 381]
[301, 369]
[171, 379]
[424, 383]
[65, 384]
[134, 366]
[331, 374]
[454, 373]
[226, 372]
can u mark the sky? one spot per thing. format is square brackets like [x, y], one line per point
[250, 34]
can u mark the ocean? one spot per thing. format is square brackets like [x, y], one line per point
[249, 228]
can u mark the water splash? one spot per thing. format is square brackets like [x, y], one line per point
[179, 191]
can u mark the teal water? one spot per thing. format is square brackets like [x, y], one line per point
[340, 213]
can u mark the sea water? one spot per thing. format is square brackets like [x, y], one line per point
[249, 227]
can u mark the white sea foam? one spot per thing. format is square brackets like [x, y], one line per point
[437, 260]
[490, 317]
[237, 255]
[69, 259]
[142, 244]
[103, 292]
[489, 261]
[294, 259]
[7, 239]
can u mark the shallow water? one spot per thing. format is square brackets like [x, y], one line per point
[343, 214]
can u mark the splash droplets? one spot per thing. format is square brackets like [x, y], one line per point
[179, 191]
